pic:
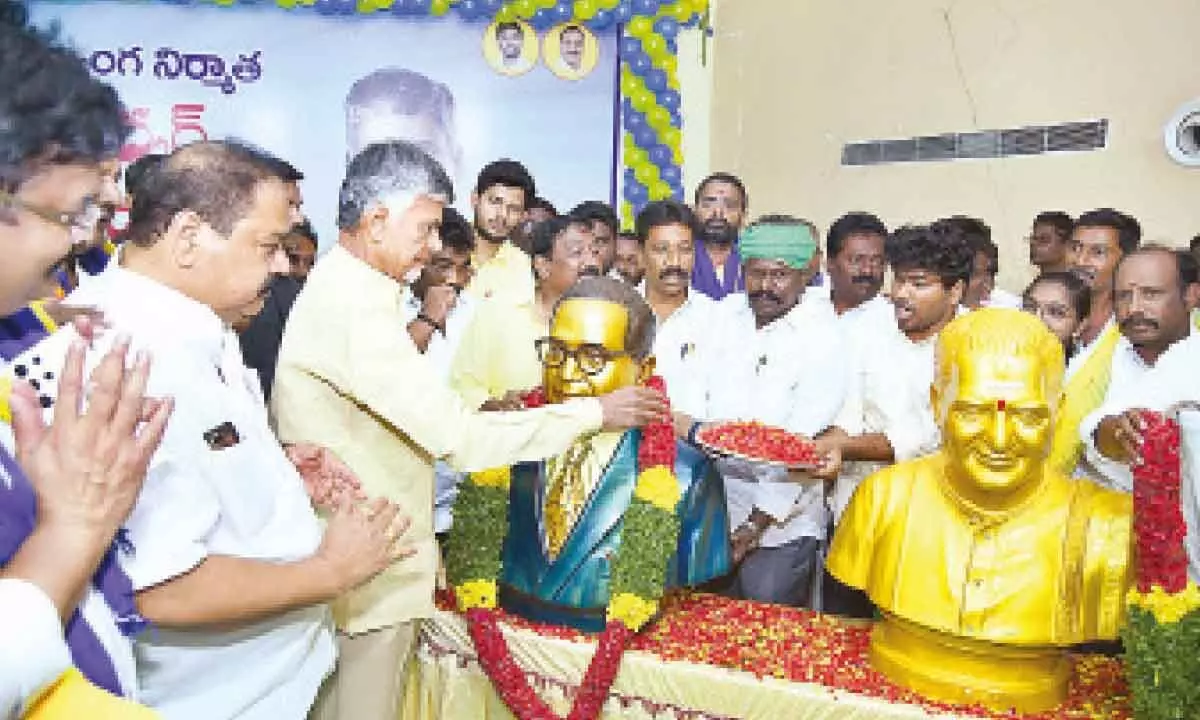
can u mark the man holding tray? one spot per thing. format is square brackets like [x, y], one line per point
[780, 362]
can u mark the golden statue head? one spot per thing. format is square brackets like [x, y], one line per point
[601, 336]
[997, 380]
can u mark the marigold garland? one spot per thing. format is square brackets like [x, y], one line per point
[1162, 633]
[648, 540]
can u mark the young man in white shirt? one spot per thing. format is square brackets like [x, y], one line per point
[1157, 360]
[666, 231]
[231, 566]
[781, 362]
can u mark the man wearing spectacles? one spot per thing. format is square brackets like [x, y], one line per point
[70, 486]
[91, 250]
[497, 357]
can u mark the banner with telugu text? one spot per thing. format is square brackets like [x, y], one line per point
[314, 89]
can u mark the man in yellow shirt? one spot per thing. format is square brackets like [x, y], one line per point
[984, 560]
[497, 355]
[502, 192]
[350, 375]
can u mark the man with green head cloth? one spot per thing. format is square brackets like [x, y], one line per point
[781, 362]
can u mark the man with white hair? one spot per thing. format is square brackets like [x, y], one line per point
[351, 378]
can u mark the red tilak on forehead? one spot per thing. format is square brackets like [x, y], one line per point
[1000, 405]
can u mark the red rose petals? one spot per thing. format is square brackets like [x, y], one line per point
[760, 442]
[1158, 524]
[797, 645]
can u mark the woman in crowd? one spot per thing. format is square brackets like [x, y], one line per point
[1062, 301]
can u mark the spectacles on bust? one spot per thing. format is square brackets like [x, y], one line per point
[591, 359]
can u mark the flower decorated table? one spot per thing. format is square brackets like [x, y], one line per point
[709, 658]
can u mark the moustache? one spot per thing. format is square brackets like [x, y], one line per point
[719, 231]
[1138, 321]
[673, 272]
[866, 280]
[589, 271]
[764, 295]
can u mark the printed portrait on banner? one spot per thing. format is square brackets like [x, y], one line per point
[315, 90]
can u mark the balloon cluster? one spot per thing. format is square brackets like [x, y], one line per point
[651, 116]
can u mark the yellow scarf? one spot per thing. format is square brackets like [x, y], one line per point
[73, 697]
[5, 394]
[1083, 393]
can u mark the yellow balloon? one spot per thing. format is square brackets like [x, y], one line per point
[585, 9]
[506, 14]
[637, 157]
[626, 215]
[646, 174]
[629, 83]
[659, 118]
[640, 26]
[682, 11]
[670, 136]
[547, 4]
[642, 99]
[439, 7]
[660, 190]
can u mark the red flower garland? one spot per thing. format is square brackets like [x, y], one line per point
[657, 448]
[1159, 527]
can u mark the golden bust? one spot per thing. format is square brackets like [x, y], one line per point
[985, 563]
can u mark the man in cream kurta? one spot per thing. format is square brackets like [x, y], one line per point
[350, 374]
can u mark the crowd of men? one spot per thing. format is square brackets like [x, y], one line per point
[396, 360]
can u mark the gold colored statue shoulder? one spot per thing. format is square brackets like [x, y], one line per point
[984, 560]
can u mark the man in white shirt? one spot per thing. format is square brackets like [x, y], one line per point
[231, 566]
[1157, 360]
[887, 416]
[781, 362]
[931, 266]
[666, 231]
[439, 309]
[857, 260]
